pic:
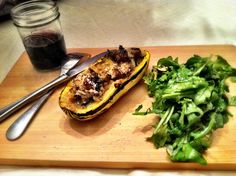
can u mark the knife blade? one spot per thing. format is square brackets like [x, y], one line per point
[79, 68]
[10, 109]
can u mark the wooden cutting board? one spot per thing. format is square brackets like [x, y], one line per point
[115, 139]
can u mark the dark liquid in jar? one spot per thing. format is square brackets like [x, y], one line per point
[46, 50]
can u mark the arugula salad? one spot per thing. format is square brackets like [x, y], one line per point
[191, 101]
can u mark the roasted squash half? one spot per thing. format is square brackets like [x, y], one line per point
[95, 89]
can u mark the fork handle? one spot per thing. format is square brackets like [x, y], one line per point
[21, 124]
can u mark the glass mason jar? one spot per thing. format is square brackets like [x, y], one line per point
[38, 24]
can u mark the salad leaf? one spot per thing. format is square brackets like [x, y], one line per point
[232, 101]
[191, 101]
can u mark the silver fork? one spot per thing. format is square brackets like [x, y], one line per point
[19, 126]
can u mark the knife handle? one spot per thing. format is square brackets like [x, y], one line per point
[8, 110]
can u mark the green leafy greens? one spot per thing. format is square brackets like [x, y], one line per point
[191, 102]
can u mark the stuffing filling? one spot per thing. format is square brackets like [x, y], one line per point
[90, 85]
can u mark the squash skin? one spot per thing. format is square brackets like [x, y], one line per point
[109, 97]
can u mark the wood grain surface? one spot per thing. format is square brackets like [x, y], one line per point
[115, 139]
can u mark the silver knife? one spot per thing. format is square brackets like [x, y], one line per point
[10, 109]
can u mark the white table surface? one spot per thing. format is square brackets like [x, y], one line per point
[106, 23]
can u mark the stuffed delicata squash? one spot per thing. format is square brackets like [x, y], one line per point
[99, 86]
